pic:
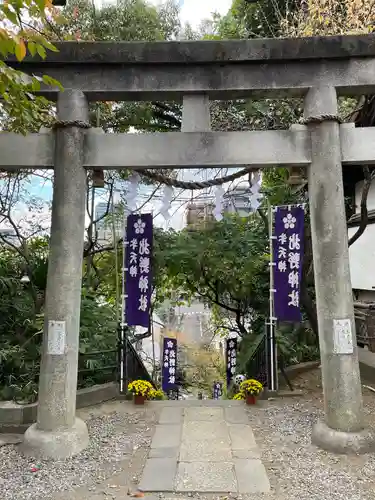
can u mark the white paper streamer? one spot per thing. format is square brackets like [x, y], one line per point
[255, 196]
[166, 204]
[219, 200]
[132, 192]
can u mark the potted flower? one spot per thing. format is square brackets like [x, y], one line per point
[157, 395]
[141, 390]
[240, 396]
[251, 389]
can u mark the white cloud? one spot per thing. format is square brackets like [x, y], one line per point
[195, 11]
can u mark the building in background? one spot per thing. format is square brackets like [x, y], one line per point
[362, 252]
[8, 236]
[105, 221]
[199, 213]
[150, 348]
[237, 200]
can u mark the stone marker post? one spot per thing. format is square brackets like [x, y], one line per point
[58, 433]
[343, 427]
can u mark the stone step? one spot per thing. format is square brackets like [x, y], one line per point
[204, 449]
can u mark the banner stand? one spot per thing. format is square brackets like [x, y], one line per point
[286, 231]
[169, 366]
[271, 347]
[231, 359]
[136, 284]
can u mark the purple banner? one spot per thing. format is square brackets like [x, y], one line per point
[218, 390]
[287, 257]
[231, 359]
[169, 364]
[138, 275]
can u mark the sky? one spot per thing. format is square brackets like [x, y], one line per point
[193, 12]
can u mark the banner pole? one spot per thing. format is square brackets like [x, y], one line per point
[273, 350]
[123, 339]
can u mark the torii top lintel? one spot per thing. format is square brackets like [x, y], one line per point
[222, 69]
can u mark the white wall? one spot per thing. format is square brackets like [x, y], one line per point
[362, 252]
[147, 348]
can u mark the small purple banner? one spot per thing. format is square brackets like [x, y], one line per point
[287, 258]
[231, 359]
[169, 364]
[218, 390]
[138, 272]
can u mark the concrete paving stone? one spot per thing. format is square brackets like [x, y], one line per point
[208, 477]
[170, 415]
[171, 452]
[205, 451]
[158, 474]
[236, 415]
[204, 431]
[253, 454]
[166, 436]
[242, 437]
[168, 496]
[251, 476]
[202, 413]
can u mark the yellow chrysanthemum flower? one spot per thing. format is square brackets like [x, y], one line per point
[251, 386]
[140, 388]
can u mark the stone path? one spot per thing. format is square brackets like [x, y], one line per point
[207, 449]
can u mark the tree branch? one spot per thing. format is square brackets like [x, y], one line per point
[264, 218]
[216, 293]
[240, 325]
[210, 298]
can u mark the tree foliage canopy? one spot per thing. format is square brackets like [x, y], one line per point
[224, 264]
[21, 34]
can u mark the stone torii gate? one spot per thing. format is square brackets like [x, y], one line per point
[317, 69]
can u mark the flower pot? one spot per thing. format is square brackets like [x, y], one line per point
[139, 400]
[251, 399]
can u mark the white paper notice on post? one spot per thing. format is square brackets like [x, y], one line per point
[56, 338]
[342, 336]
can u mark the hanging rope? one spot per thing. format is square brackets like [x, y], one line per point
[194, 185]
[320, 119]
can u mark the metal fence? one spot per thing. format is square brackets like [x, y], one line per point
[364, 314]
[97, 367]
[130, 365]
[260, 365]
[257, 365]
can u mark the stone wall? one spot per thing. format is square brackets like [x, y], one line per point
[16, 418]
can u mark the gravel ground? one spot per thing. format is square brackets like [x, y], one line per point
[296, 469]
[114, 437]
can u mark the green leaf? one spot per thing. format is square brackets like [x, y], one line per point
[32, 48]
[41, 51]
[10, 15]
[49, 46]
[52, 82]
[41, 4]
